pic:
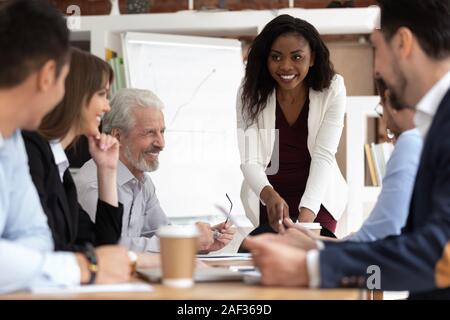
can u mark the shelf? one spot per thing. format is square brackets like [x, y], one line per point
[220, 24]
[327, 21]
[358, 110]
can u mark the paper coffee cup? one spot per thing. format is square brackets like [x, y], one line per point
[313, 226]
[178, 246]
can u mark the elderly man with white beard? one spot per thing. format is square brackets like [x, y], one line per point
[137, 121]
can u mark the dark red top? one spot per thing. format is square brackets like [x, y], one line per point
[294, 161]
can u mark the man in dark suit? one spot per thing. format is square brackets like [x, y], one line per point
[412, 55]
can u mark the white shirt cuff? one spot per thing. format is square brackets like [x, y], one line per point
[313, 268]
[310, 203]
[320, 245]
[59, 269]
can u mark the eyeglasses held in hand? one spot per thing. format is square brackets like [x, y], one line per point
[216, 233]
[228, 215]
[231, 207]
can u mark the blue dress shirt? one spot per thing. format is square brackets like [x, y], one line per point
[391, 210]
[26, 246]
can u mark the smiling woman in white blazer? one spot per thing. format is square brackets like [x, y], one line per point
[278, 72]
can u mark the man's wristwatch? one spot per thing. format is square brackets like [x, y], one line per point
[89, 252]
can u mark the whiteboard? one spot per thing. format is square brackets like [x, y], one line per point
[197, 79]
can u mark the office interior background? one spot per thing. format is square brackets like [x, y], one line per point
[105, 27]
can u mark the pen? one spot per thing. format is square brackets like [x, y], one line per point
[280, 221]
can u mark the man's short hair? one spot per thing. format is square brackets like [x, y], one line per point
[32, 32]
[429, 20]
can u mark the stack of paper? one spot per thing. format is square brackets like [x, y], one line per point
[225, 256]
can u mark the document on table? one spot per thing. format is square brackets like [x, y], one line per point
[252, 277]
[225, 256]
[123, 287]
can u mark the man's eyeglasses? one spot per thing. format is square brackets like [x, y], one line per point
[379, 109]
[231, 207]
[216, 233]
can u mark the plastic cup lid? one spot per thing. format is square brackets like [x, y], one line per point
[178, 231]
[310, 225]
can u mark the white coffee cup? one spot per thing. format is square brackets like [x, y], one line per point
[313, 226]
[178, 246]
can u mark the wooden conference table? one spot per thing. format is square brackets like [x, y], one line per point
[204, 291]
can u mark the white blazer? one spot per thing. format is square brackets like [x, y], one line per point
[325, 184]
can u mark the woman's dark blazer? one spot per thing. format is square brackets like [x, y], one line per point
[71, 226]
